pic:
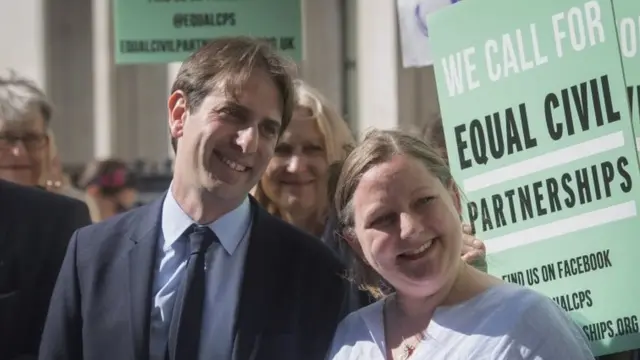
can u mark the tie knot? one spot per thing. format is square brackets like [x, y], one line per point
[200, 238]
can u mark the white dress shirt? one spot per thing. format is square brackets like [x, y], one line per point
[224, 271]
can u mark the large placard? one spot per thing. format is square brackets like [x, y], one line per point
[541, 143]
[627, 15]
[162, 31]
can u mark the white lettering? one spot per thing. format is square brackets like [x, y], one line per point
[512, 56]
[525, 64]
[495, 72]
[580, 22]
[471, 68]
[453, 71]
[579, 39]
[594, 22]
[629, 32]
[539, 59]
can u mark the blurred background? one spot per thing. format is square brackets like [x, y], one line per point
[351, 53]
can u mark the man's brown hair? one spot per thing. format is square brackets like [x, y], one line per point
[226, 64]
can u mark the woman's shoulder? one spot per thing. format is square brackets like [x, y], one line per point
[500, 299]
[527, 303]
[359, 333]
[500, 309]
[537, 324]
[515, 306]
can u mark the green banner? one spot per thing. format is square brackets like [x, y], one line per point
[162, 31]
[627, 15]
[541, 143]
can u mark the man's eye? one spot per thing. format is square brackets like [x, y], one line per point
[230, 113]
[227, 114]
[270, 130]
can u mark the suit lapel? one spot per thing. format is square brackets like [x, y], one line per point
[7, 217]
[142, 258]
[259, 274]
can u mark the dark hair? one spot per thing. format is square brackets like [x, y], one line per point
[226, 64]
[111, 176]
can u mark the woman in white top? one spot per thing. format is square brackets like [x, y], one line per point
[399, 210]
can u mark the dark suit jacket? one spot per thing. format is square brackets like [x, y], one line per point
[35, 227]
[291, 300]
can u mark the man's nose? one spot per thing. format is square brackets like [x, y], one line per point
[248, 139]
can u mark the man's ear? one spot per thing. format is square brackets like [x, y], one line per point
[177, 106]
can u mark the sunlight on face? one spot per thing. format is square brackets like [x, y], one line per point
[296, 177]
[226, 143]
[407, 225]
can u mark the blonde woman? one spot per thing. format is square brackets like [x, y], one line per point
[294, 186]
[399, 210]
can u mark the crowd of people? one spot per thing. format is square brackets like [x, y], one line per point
[279, 237]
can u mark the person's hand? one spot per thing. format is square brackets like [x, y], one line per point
[473, 249]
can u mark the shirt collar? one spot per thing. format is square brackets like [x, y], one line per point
[231, 228]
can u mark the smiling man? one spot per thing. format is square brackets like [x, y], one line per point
[204, 272]
[24, 118]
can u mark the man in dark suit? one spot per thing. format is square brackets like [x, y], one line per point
[204, 272]
[35, 227]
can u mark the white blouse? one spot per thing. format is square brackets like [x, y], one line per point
[506, 322]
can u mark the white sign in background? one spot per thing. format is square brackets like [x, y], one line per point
[414, 32]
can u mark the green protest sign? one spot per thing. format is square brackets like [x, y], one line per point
[627, 15]
[161, 31]
[540, 141]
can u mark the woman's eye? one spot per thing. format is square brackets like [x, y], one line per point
[425, 200]
[283, 149]
[313, 149]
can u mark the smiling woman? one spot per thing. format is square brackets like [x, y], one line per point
[294, 186]
[25, 113]
[398, 208]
